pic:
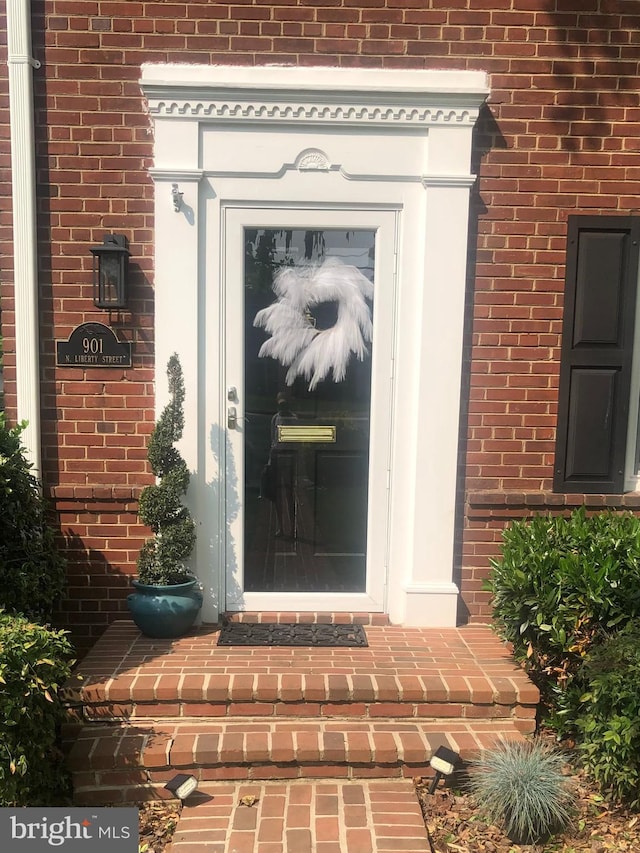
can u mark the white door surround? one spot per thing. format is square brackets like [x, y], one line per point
[323, 139]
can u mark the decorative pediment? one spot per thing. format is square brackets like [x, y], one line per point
[314, 95]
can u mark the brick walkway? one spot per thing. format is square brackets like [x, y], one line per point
[322, 816]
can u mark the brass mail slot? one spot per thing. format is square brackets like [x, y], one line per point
[309, 433]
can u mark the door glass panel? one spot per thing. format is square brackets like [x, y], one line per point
[308, 298]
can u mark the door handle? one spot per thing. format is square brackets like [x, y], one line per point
[232, 417]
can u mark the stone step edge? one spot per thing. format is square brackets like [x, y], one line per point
[115, 747]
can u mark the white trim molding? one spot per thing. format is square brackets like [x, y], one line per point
[25, 264]
[323, 142]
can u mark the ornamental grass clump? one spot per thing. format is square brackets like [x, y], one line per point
[521, 786]
[162, 558]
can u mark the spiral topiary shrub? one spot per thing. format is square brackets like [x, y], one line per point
[162, 557]
[521, 786]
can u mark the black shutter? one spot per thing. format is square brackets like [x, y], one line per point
[597, 353]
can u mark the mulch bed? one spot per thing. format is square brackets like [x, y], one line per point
[454, 825]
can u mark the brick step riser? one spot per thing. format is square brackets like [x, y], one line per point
[304, 710]
[122, 786]
[315, 752]
[125, 778]
[125, 756]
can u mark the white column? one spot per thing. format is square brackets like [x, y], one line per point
[428, 595]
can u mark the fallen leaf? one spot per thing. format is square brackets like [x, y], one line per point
[248, 800]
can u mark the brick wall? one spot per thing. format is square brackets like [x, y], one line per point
[560, 134]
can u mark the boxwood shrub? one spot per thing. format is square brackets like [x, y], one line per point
[34, 662]
[560, 588]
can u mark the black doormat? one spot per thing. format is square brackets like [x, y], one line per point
[291, 634]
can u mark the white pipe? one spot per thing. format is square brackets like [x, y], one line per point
[20, 64]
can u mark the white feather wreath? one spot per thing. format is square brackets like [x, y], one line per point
[295, 342]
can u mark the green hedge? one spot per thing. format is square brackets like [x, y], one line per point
[562, 585]
[608, 718]
[34, 662]
[566, 595]
[32, 570]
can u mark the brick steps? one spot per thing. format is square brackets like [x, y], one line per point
[128, 763]
[147, 709]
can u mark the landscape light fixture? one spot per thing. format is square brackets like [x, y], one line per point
[443, 762]
[110, 272]
[182, 785]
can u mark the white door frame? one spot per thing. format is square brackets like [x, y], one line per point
[398, 140]
[384, 222]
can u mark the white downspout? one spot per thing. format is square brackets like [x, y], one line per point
[23, 170]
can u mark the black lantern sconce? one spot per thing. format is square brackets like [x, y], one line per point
[110, 272]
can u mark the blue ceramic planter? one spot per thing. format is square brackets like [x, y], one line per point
[164, 611]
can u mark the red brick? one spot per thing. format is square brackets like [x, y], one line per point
[358, 748]
[307, 746]
[182, 750]
[282, 749]
[391, 709]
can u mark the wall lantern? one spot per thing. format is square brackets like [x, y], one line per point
[443, 762]
[110, 272]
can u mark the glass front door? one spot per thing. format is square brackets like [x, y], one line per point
[308, 301]
[300, 418]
